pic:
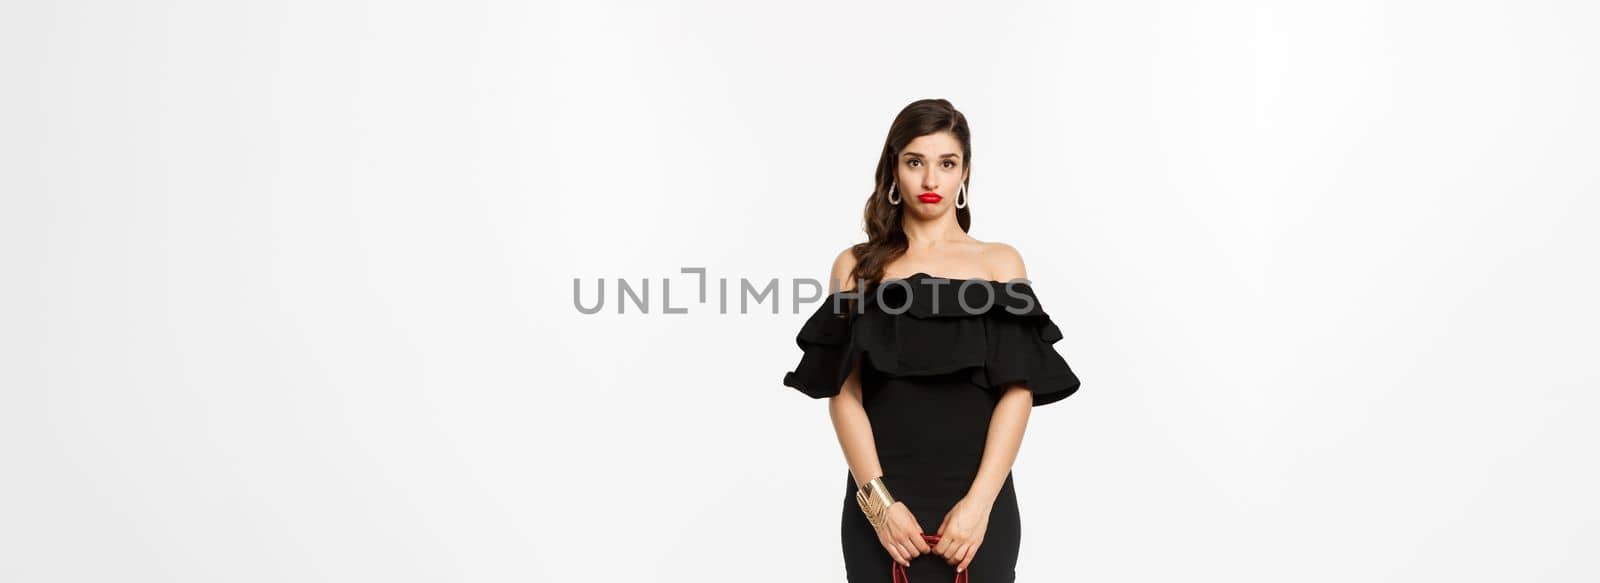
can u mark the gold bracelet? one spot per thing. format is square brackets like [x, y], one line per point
[875, 501]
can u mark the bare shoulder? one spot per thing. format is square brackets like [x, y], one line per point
[843, 264]
[1003, 261]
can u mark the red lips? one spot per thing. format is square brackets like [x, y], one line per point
[930, 197]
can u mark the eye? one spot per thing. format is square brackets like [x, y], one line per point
[913, 162]
[949, 164]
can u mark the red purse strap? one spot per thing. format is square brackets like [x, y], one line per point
[900, 570]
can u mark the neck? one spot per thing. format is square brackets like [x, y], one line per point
[922, 233]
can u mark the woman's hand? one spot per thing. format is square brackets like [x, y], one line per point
[962, 531]
[901, 535]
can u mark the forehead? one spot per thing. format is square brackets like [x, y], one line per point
[933, 145]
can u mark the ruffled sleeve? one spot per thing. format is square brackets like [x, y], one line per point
[828, 350]
[1021, 350]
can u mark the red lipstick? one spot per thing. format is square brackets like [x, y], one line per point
[930, 197]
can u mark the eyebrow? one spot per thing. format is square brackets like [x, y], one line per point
[943, 156]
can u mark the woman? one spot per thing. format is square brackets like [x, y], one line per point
[930, 384]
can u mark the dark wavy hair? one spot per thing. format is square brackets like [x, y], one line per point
[886, 241]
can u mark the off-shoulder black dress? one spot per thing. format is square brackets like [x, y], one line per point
[936, 355]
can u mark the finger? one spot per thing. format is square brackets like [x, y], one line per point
[960, 553]
[894, 553]
[954, 550]
[912, 536]
[970, 551]
[905, 553]
[917, 543]
[909, 540]
[944, 523]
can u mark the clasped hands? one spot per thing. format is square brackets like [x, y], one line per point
[960, 534]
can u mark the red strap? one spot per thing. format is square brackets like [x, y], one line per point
[900, 570]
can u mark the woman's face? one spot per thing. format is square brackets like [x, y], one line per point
[929, 172]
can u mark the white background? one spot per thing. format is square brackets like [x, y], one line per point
[288, 285]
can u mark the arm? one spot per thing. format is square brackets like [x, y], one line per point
[1006, 426]
[966, 523]
[846, 409]
[1010, 417]
[854, 429]
[900, 534]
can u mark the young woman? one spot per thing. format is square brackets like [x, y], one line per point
[932, 349]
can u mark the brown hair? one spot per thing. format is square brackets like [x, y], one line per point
[886, 241]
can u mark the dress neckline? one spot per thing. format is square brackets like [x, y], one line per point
[925, 275]
[910, 280]
[909, 295]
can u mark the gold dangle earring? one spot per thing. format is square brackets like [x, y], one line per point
[961, 197]
[894, 192]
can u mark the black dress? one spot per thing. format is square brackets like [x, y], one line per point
[936, 355]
